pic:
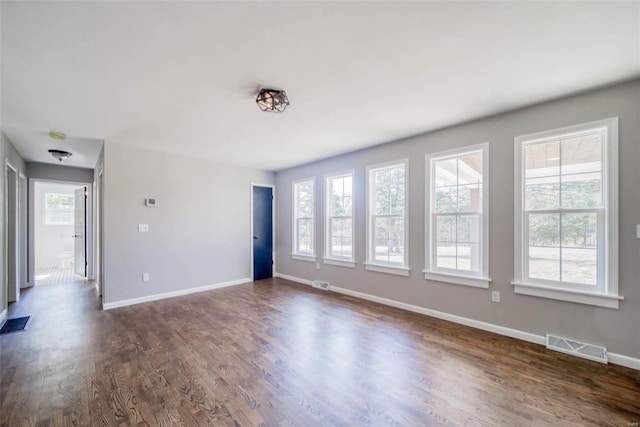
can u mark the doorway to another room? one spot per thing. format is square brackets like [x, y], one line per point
[60, 230]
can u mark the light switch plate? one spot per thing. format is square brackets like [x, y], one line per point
[143, 228]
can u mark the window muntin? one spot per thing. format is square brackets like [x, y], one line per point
[388, 215]
[339, 205]
[304, 209]
[59, 209]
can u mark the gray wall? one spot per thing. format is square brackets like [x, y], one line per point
[199, 232]
[52, 172]
[615, 329]
[7, 153]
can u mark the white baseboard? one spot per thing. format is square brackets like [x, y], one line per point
[156, 297]
[617, 359]
[3, 316]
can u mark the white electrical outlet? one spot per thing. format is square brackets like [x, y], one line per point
[143, 228]
[145, 277]
[495, 296]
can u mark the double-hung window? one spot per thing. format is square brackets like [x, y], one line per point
[566, 214]
[457, 216]
[58, 209]
[339, 216]
[304, 220]
[387, 229]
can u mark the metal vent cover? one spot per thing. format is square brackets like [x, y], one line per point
[321, 285]
[577, 348]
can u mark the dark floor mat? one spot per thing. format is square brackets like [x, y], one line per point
[15, 325]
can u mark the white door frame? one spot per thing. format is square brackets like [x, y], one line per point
[32, 228]
[14, 293]
[273, 224]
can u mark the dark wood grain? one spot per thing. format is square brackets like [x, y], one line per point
[274, 353]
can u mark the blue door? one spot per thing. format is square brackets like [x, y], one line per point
[262, 233]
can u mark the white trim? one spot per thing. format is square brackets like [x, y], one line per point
[571, 295]
[3, 317]
[294, 222]
[458, 279]
[7, 166]
[156, 297]
[327, 227]
[608, 295]
[273, 224]
[483, 244]
[339, 262]
[368, 199]
[308, 258]
[614, 358]
[294, 279]
[389, 269]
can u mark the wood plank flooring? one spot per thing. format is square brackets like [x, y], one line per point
[274, 353]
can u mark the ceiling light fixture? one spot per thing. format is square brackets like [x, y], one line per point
[58, 136]
[272, 100]
[60, 154]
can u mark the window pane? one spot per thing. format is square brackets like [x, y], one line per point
[446, 199]
[305, 241]
[397, 240]
[468, 229]
[304, 199]
[470, 198]
[579, 248]
[468, 257]
[582, 171]
[542, 159]
[542, 193]
[446, 255]
[446, 229]
[389, 191]
[544, 246]
[389, 240]
[446, 173]
[470, 169]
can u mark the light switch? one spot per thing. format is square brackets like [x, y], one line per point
[143, 228]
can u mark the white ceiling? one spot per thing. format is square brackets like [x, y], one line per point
[182, 76]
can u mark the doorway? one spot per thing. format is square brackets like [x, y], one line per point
[60, 230]
[262, 231]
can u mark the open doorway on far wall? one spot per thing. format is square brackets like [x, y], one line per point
[60, 233]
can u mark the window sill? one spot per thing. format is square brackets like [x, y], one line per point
[308, 258]
[339, 262]
[581, 297]
[458, 279]
[398, 271]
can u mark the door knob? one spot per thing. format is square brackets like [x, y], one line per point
[255, 238]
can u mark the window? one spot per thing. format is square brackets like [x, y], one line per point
[58, 209]
[387, 218]
[339, 227]
[303, 223]
[567, 213]
[457, 219]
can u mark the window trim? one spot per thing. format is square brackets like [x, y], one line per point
[301, 256]
[608, 296]
[481, 279]
[370, 264]
[334, 260]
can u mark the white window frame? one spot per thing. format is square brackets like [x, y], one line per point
[607, 294]
[432, 272]
[47, 220]
[303, 256]
[370, 264]
[328, 258]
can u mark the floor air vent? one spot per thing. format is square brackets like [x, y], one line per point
[321, 285]
[577, 348]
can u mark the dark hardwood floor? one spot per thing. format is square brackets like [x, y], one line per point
[277, 353]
